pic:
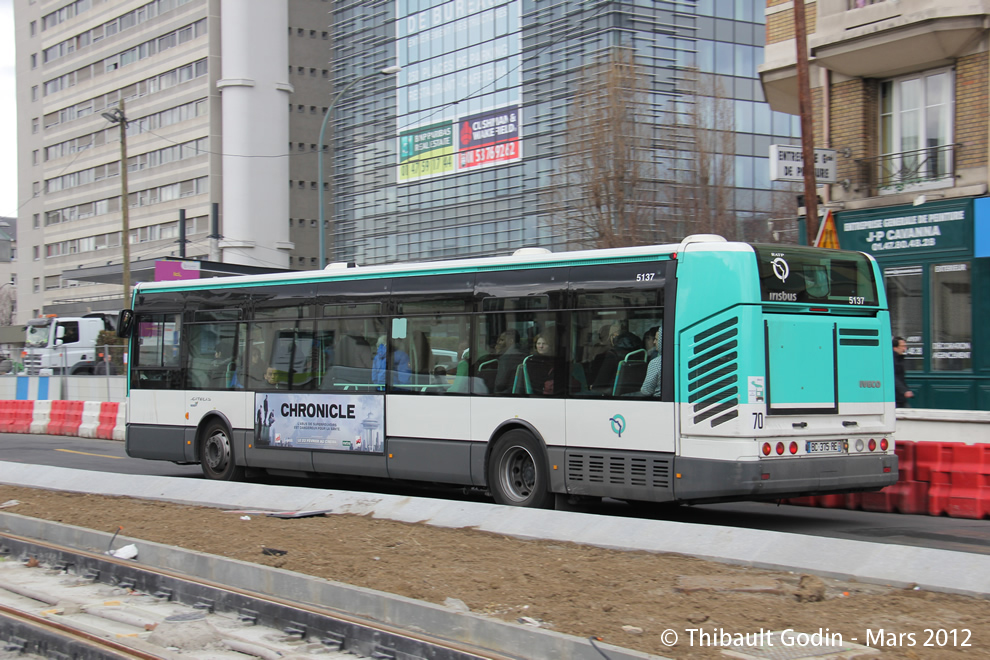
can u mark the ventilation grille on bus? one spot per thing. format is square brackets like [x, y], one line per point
[713, 386]
[858, 337]
[614, 470]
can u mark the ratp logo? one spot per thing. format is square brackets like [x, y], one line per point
[618, 423]
[780, 269]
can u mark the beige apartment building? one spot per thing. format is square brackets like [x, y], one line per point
[197, 78]
[900, 91]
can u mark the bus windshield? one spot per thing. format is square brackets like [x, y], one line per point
[812, 275]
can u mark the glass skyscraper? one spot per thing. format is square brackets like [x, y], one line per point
[519, 123]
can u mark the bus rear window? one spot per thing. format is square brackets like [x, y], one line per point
[817, 276]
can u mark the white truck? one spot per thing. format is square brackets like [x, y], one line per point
[58, 345]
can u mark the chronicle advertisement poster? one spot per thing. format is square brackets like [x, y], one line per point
[339, 422]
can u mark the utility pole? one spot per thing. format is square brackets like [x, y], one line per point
[117, 116]
[807, 121]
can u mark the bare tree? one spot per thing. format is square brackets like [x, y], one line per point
[605, 194]
[699, 144]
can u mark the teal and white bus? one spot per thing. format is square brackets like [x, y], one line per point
[699, 372]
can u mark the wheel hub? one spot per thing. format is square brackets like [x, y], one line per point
[217, 451]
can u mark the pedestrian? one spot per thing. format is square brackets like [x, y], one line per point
[901, 391]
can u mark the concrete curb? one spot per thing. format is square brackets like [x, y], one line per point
[507, 638]
[894, 565]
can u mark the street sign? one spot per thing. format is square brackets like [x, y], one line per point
[787, 164]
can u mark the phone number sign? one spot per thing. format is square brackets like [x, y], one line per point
[483, 139]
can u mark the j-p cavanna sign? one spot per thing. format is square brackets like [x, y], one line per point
[934, 226]
[320, 421]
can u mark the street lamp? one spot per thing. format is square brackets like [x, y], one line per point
[388, 71]
[117, 116]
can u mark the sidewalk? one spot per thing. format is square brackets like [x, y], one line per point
[894, 565]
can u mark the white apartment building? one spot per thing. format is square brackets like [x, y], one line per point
[223, 100]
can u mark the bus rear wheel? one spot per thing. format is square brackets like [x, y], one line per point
[517, 471]
[216, 453]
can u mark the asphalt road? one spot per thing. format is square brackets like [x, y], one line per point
[925, 531]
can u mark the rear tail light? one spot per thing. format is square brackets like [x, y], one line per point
[780, 448]
[872, 444]
[884, 444]
[793, 447]
[766, 448]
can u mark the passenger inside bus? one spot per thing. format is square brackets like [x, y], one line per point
[651, 384]
[401, 368]
[650, 344]
[510, 356]
[622, 344]
[539, 366]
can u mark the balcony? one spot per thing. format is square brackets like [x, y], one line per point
[885, 39]
[876, 39]
[910, 171]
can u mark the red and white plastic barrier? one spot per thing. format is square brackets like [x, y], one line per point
[84, 419]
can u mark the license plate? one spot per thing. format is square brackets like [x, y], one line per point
[825, 446]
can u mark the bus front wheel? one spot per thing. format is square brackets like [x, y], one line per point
[216, 453]
[517, 471]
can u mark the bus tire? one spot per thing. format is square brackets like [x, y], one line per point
[517, 471]
[216, 453]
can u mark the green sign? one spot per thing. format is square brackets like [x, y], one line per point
[892, 231]
[426, 151]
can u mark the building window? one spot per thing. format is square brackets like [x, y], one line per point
[34, 60]
[952, 317]
[916, 114]
[904, 287]
[37, 252]
[36, 285]
[35, 124]
[34, 93]
[36, 220]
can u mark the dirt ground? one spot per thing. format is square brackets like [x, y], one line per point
[627, 598]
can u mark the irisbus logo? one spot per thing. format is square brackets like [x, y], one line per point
[870, 384]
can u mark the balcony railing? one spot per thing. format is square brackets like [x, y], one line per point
[921, 169]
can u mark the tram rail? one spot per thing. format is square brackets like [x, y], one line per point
[321, 629]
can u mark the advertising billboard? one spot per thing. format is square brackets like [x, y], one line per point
[341, 422]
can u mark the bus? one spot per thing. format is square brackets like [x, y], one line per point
[703, 371]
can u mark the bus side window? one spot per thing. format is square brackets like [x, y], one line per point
[291, 359]
[429, 354]
[155, 347]
[345, 352]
